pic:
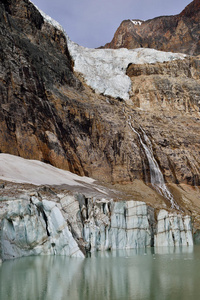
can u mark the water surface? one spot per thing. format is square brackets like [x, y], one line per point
[156, 274]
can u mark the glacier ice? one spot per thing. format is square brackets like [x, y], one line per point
[104, 70]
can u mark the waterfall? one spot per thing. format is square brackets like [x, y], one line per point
[156, 176]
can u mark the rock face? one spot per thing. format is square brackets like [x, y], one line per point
[34, 62]
[47, 113]
[178, 33]
[54, 223]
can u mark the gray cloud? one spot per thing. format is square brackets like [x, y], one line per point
[92, 23]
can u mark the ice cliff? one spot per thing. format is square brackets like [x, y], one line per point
[33, 222]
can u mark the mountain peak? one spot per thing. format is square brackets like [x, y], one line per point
[179, 33]
[191, 9]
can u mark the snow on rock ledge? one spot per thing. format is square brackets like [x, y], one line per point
[17, 169]
[137, 22]
[104, 70]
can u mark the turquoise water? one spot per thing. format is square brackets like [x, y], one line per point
[156, 274]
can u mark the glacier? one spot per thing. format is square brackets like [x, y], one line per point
[104, 70]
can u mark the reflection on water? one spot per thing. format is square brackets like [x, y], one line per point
[160, 273]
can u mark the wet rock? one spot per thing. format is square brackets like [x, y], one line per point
[197, 237]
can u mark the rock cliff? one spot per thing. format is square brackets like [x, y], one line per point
[179, 33]
[49, 113]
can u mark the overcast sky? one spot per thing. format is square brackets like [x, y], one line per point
[92, 23]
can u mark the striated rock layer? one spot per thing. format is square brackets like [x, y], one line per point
[178, 33]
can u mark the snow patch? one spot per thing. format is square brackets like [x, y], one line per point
[137, 22]
[20, 170]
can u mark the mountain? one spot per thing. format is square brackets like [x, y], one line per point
[128, 118]
[179, 33]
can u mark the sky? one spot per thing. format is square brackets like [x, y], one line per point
[92, 23]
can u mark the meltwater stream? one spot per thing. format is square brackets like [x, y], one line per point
[156, 176]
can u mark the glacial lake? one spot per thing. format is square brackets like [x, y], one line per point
[157, 274]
